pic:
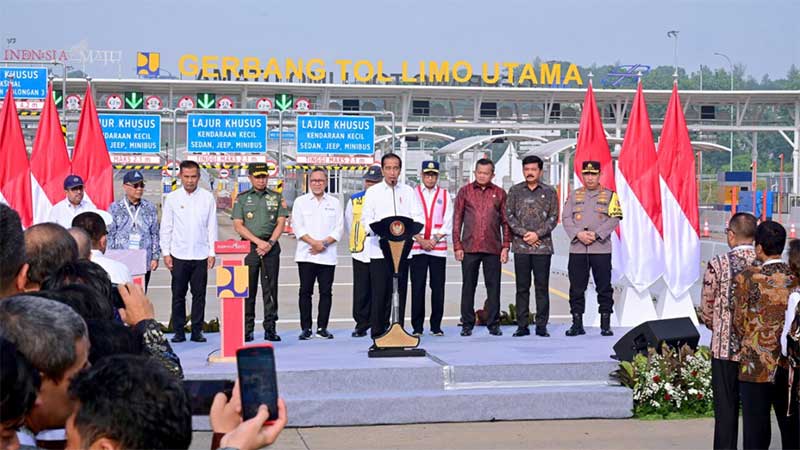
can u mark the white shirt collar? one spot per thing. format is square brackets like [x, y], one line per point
[80, 205]
[744, 247]
[771, 261]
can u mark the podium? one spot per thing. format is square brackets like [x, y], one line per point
[396, 233]
[232, 290]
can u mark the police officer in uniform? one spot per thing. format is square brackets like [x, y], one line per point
[590, 216]
[259, 216]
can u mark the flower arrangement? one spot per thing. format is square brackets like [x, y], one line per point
[669, 384]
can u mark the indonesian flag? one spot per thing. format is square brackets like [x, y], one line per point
[592, 144]
[15, 172]
[50, 163]
[90, 159]
[680, 201]
[639, 190]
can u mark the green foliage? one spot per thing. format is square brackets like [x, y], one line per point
[669, 384]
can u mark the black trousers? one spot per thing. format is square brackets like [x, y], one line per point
[268, 266]
[757, 400]
[725, 386]
[380, 271]
[539, 266]
[491, 275]
[578, 268]
[421, 265]
[185, 273]
[309, 274]
[362, 295]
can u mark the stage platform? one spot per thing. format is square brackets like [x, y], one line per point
[463, 379]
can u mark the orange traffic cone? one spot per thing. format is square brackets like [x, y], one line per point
[288, 228]
[705, 229]
[792, 233]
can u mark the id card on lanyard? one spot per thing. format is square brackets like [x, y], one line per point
[134, 238]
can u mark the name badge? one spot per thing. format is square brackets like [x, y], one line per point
[134, 241]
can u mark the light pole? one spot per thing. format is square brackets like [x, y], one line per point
[674, 34]
[730, 64]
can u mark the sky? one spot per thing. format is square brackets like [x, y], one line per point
[762, 35]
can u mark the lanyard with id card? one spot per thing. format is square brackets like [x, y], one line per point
[134, 238]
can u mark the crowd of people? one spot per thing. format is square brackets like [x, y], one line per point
[84, 362]
[749, 301]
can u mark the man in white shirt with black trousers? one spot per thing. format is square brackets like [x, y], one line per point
[188, 233]
[385, 199]
[317, 221]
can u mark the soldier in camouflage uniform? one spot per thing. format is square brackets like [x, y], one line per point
[590, 216]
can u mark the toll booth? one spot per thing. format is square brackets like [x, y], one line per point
[731, 186]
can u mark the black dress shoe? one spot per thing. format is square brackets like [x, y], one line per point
[542, 332]
[305, 335]
[271, 336]
[495, 331]
[417, 333]
[248, 337]
[199, 338]
[324, 334]
[358, 333]
[523, 331]
[437, 333]
[178, 338]
[466, 331]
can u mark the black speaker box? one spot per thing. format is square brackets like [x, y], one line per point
[675, 332]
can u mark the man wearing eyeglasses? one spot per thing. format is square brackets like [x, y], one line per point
[135, 222]
[73, 204]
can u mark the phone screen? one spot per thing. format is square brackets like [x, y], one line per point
[257, 380]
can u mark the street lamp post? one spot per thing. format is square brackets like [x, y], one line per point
[730, 64]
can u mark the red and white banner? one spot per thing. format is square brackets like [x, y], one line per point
[335, 160]
[50, 163]
[681, 215]
[15, 171]
[641, 253]
[90, 159]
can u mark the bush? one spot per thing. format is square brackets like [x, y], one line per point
[669, 384]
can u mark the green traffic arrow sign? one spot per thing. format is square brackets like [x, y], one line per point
[134, 100]
[207, 101]
[58, 97]
[283, 101]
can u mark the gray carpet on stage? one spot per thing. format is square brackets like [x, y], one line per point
[477, 378]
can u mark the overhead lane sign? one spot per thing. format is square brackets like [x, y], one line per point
[128, 133]
[29, 82]
[246, 133]
[336, 135]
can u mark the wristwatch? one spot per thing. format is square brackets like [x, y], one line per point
[325, 244]
[271, 242]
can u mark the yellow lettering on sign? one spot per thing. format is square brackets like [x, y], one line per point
[404, 74]
[485, 74]
[573, 74]
[550, 76]
[315, 74]
[230, 64]
[251, 67]
[462, 67]
[439, 73]
[357, 70]
[207, 63]
[273, 69]
[187, 65]
[510, 68]
[382, 78]
[294, 68]
[528, 74]
[343, 63]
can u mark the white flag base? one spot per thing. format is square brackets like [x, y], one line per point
[635, 307]
[670, 307]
